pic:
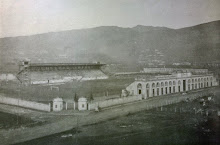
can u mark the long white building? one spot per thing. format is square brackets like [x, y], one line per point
[167, 84]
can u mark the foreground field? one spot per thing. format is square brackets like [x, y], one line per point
[180, 123]
[173, 124]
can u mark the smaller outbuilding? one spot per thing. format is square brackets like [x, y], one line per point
[82, 104]
[57, 104]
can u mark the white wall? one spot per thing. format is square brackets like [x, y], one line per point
[112, 102]
[7, 77]
[25, 104]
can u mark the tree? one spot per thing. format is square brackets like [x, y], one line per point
[76, 98]
[91, 97]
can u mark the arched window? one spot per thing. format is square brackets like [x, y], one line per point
[207, 79]
[174, 83]
[139, 86]
[192, 80]
[153, 85]
[147, 86]
[189, 81]
[166, 83]
[179, 82]
[158, 84]
[162, 84]
[195, 80]
[211, 78]
[170, 83]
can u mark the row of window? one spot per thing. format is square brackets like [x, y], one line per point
[173, 83]
[164, 91]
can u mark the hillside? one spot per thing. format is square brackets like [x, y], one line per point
[111, 44]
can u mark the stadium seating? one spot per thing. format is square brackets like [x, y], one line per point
[38, 77]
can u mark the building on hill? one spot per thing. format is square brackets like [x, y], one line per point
[158, 71]
[171, 70]
[168, 84]
[42, 73]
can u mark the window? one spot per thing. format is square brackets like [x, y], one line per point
[158, 84]
[55, 106]
[170, 83]
[153, 85]
[153, 92]
[139, 92]
[139, 87]
[82, 105]
[147, 86]
[179, 83]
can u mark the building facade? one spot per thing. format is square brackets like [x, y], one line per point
[168, 84]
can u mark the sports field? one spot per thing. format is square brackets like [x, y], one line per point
[46, 93]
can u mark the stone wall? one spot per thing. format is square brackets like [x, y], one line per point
[25, 104]
[114, 101]
[7, 77]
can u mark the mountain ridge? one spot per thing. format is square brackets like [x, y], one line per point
[112, 44]
[109, 26]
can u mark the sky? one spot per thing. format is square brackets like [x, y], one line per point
[28, 17]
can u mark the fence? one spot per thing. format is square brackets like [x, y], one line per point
[168, 100]
[25, 104]
[155, 102]
[114, 101]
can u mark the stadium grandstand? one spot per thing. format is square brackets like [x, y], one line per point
[44, 73]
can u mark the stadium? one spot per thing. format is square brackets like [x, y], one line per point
[46, 73]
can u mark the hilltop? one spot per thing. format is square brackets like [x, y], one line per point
[111, 44]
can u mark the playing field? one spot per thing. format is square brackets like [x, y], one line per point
[45, 93]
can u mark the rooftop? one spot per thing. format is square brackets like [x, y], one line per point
[165, 77]
[65, 64]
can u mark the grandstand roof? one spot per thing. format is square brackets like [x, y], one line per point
[66, 64]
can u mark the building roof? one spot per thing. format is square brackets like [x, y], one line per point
[58, 100]
[166, 77]
[82, 99]
[65, 64]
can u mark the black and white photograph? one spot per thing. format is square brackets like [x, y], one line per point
[109, 72]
